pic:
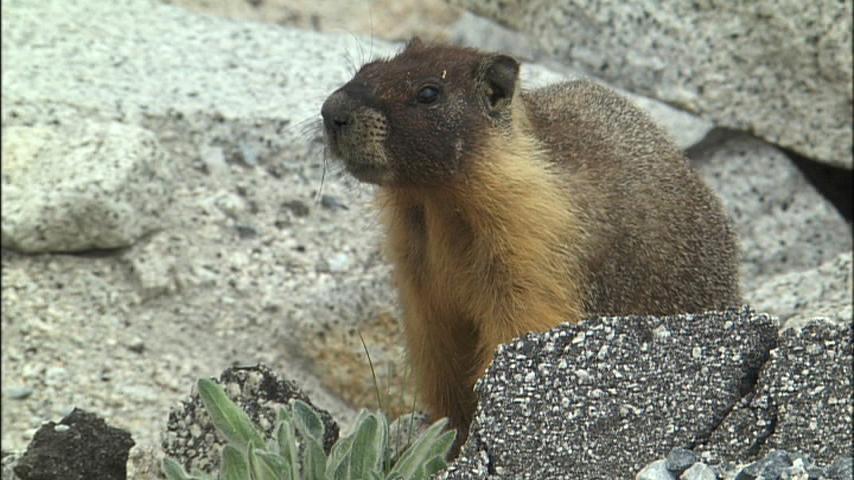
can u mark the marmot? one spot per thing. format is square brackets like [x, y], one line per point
[511, 211]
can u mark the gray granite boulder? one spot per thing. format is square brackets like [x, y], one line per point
[84, 186]
[779, 69]
[784, 224]
[798, 297]
[603, 398]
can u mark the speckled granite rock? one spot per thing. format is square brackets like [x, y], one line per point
[784, 224]
[798, 297]
[192, 440]
[84, 186]
[601, 399]
[802, 400]
[242, 87]
[779, 69]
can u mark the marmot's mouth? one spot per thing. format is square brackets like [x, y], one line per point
[368, 172]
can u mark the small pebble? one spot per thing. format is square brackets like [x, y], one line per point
[339, 262]
[680, 459]
[136, 345]
[55, 376]
[18, 393]
[699, 471]
[655, 471]
[331, 203]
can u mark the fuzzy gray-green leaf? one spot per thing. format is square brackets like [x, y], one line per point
[369, 443]
[174, 471]
[338, 463]
[435, 465]
[314, 460]
[227, 417]
[287, 446]
[433, 442]
[233, 465]
[308, 421]
[259, 466]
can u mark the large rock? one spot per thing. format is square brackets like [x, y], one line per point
[783, 223]
[80, 187]
[779, 69]
[797, 297]
[601, 399]
[235, 269]
[80, 447]
[801, 401]
[246, 88]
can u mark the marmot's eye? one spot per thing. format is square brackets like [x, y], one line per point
[427, 94]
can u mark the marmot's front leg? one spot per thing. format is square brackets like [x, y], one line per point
[442, 353]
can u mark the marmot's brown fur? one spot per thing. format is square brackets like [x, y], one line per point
[512, 211]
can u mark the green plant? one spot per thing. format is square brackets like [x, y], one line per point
[295, 449]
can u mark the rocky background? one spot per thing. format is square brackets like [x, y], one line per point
[168, 211]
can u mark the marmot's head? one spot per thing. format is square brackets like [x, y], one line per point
[417, 118]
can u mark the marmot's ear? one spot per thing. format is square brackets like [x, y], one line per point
[499, 76]
[414, 43]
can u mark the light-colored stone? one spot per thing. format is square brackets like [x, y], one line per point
[655, 471]
[783, 223]
[779, 69]
[698, 471]
[388, 19]
[255, 88]
[86, 186]
[800, 296]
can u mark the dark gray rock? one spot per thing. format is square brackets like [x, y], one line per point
[680, 459]
[192, 440]
[770, 467]
[80, 447]
[778, 464]
[802, 400]
[603, 398]
[842, 469]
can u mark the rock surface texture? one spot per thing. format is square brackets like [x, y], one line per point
[601, 399]
[801, 402]
[80, 187]
[779, 69]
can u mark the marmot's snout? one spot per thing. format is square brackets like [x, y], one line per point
[336, 112]
[356, 134]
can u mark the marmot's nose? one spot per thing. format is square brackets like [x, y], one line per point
[336, 112]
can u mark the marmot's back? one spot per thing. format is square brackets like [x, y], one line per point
[660, 241]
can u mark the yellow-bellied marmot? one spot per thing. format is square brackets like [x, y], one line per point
[512, 211]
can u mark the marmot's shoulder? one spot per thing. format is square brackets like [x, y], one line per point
[590, 115]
